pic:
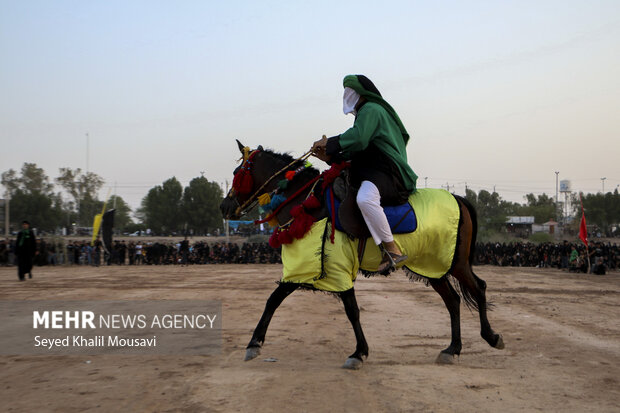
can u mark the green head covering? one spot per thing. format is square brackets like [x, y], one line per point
[362, 85]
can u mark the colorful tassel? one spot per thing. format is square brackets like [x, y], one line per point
[290, 175]
[283, 184]
[297, 210]
[273, 239]
[285, 237]
[301, 224]
[264, 199]
[276, 201]
[312, 202]
[243, 182]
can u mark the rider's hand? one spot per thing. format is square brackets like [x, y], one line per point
[319, 149]
[320, 145]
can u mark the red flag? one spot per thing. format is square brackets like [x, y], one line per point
[583, 230]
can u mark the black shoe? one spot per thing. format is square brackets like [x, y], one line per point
[389, 262]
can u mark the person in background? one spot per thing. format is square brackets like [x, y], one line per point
[25, 250]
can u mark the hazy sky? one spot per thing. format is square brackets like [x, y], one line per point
[495, 94]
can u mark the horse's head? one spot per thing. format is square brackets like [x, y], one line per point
[264, 172]
[247, 179]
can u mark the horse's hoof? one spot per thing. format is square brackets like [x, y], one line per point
[500, 342]
[444, 358]
[251, 353]
[352, 364]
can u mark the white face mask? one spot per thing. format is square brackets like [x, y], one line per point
[349, 100]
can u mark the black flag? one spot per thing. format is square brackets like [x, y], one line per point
[107, 223]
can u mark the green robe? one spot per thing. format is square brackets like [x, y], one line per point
[374, 124]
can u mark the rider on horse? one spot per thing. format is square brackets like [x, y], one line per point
[375, 145]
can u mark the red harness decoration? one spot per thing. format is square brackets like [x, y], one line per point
[302, 221]
[243, 182]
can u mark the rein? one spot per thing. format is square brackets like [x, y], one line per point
[288, 200]
[254, 197]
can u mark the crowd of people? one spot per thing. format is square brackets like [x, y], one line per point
[565, 255]
[182, 252]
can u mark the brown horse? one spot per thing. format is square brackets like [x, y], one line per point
[266, 168]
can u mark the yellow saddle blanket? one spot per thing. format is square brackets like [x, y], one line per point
[315, 262]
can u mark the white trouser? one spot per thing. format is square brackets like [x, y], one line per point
[369, 201]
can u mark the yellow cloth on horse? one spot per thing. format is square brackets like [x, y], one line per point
[431, 246]
[302, 260]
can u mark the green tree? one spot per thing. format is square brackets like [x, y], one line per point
[161, 209]
[491, 209]
[83, 188]
[541, 207]
[201, 201]
[602, 210]
[32, 198]
[122, 217]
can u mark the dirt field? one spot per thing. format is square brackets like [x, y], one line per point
[562, 335]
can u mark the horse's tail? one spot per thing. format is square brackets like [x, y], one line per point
[467, 295]
[474, 223]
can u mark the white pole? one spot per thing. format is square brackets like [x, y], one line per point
[227, 224]
[6, 216]
[87, 150]
[114, 205]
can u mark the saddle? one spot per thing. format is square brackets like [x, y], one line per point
[349, 219]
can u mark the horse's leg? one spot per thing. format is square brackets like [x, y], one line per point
[452, 301]
[355, 360]
[274, 301]
[473, 288]
[477, 288]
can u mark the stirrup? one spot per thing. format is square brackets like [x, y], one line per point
[389, 261]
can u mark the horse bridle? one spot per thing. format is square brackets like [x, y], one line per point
[253, 199]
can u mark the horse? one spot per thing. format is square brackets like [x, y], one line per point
[261, 171]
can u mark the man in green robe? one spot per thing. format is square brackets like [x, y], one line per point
[376, 147]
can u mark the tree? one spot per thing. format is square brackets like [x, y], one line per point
[32, 180]
[83, 188]
[201, 200]
[541, 207]
[602, 210]
[121, 216]
[491, 209]
[161, 208]
[32, 198]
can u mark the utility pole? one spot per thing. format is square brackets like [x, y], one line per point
[425, 178]
[556, 196]
[603, 182]
[6, 215]
[226, 221]
[87, 150]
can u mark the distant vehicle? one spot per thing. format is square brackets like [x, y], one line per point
[135, 234]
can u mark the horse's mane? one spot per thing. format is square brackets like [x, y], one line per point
[283, 159]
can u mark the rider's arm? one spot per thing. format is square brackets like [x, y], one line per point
[358, 137]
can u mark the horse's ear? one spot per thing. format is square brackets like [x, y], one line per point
[260, 147]
[241, 146]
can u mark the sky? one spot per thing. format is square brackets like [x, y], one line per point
[495, 95]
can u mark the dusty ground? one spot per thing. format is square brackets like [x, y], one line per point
[562, 335]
